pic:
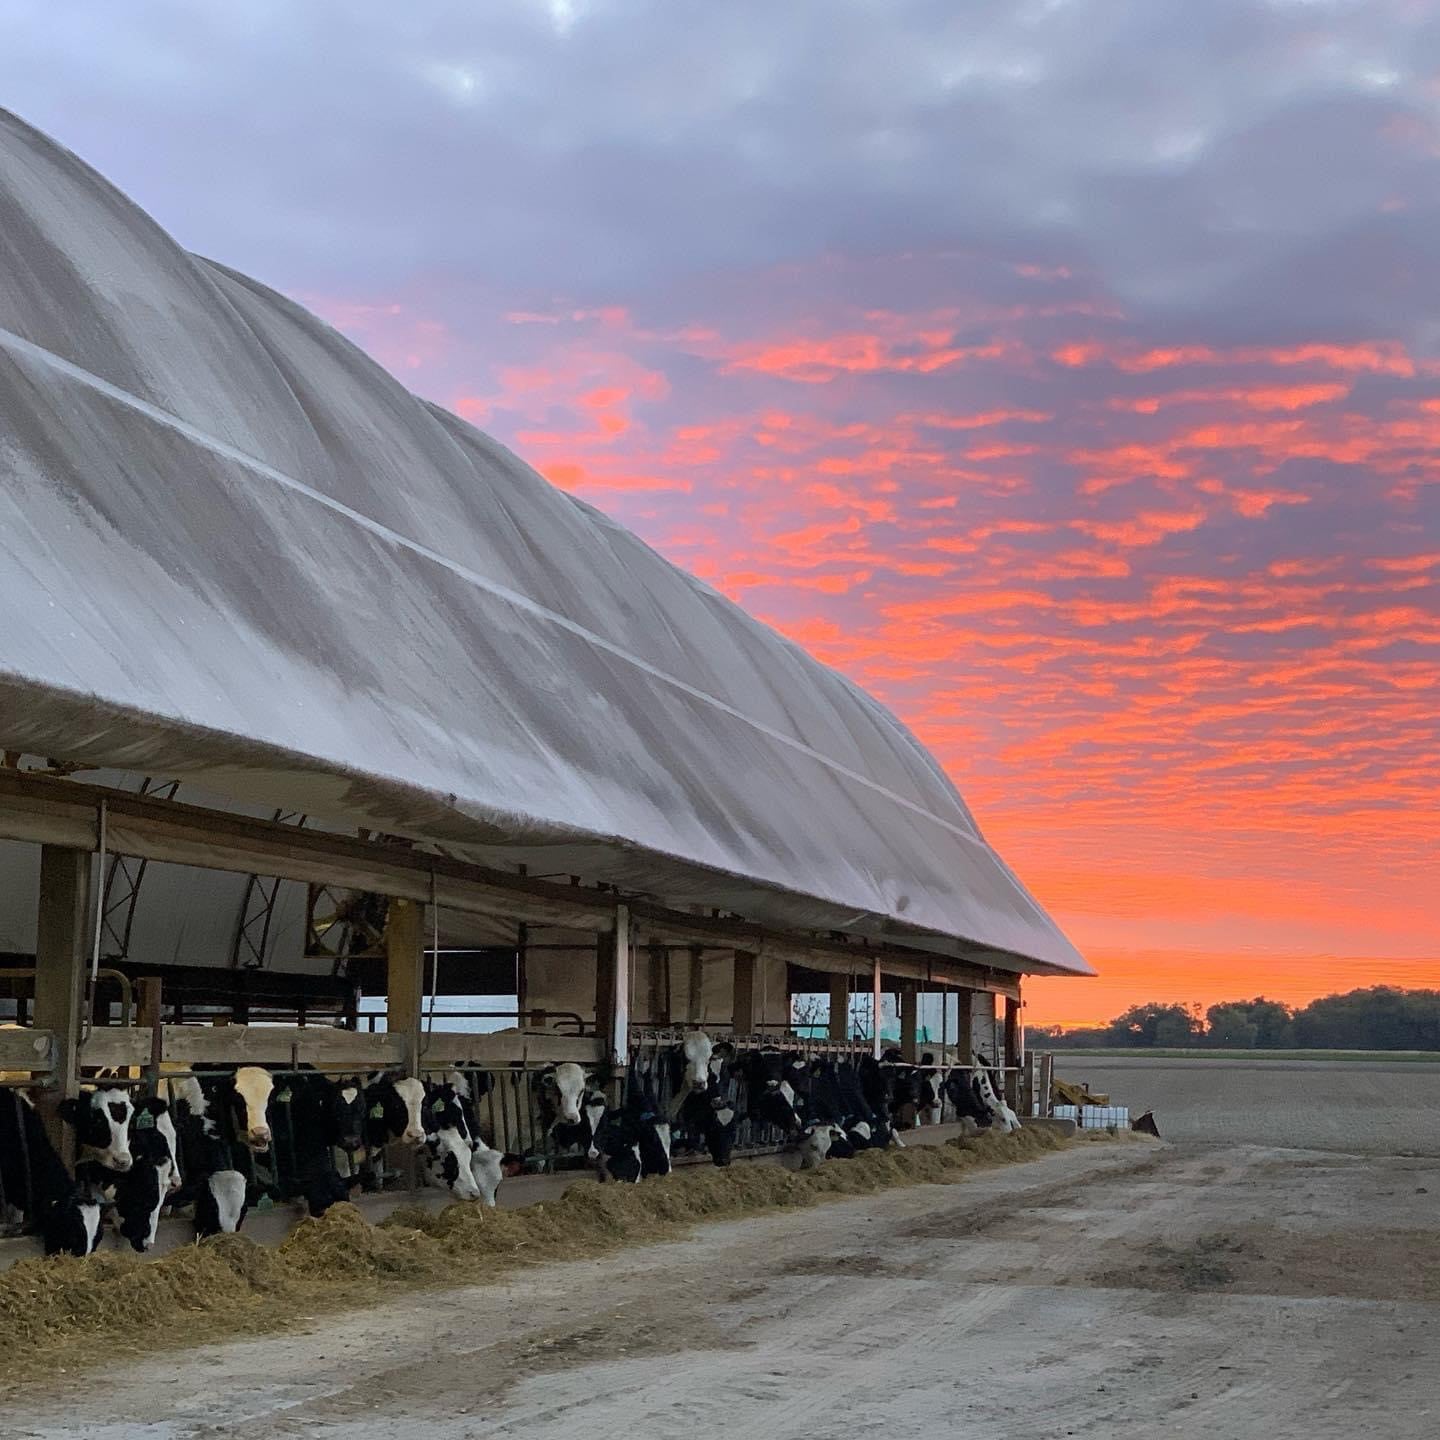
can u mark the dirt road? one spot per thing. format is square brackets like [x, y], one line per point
[1117, 1292]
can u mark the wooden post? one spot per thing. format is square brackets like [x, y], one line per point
[695, 1004]
[875, 999]
[148, 1015]
[61, 936]
[909, 1021]
[405, 976]
[1014, 1052]
[620, 997]
[965, 1026]
[659, 958]
[839, 1007]
[743, 1017]
[522, 986]
[604, 985]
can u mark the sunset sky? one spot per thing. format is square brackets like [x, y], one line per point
[1067, 374]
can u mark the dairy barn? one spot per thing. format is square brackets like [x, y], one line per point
[312, 694]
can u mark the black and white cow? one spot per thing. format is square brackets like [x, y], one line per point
[36, 1190]
[394, 1111]
[838, 1098]
[930, 1082]
[448, 1147]
[567, 1092]
[771, 1096]
[488, 1165]
[101, 1122]
[960, 1091]
[141, 1191]
[1002, 1117]
[711, 1117]
[208, 1179]
[346, 1127]
[817, 1141]
[302, 1108]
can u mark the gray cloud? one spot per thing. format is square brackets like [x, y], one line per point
[1185, 151]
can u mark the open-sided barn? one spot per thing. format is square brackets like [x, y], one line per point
[323, 674]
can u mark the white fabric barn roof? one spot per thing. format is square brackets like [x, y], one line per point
[235, 551]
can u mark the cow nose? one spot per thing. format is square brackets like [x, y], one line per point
[121, 1163]
[412, 1136]
[259, 1138]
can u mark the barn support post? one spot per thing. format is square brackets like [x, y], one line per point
[695, 990]
[839, 1008]
[620, 992]
[522, 984]
[965, 1026]
[909, 1021]
[875, 1010]
[743, 1017]
[605, 985]
[659, 958]
[405, 976]
[61, 936]
[1014, 1052]
[148, 1016]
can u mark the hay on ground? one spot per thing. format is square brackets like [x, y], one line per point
[52, 1309]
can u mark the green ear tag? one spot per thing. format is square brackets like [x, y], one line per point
[144, 1121]
[377, 1112]
[283, 1098]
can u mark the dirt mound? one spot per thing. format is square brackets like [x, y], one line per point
[51, 1310]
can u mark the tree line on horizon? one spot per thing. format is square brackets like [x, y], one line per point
[1379, 1018]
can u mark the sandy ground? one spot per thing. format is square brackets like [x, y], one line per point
[1244, 1291]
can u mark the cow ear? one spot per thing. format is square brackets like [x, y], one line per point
[158, 1107]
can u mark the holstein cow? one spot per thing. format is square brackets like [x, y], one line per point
[488, 1165]
[970, 1109]
[771, 1096]
[101, 1121]
[1002, 1117]
[395, 1111]
[817, 1142]
[346, 1128]
[837, 1098]
[304, 1140]
[568, 1106]
[709, 1115]
[141, 1192]
[35, 1187]
[448, 1152]
[632, 1142]
[930, 1080]
[208, 1179]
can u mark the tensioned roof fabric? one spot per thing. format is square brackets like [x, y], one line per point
[237, 552]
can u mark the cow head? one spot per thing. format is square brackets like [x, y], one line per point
[698, 1048]
[250, 1092]
[346, 1116]
[816, 1142]
[563, 1088]
[411, 1093]
[101, 1121]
